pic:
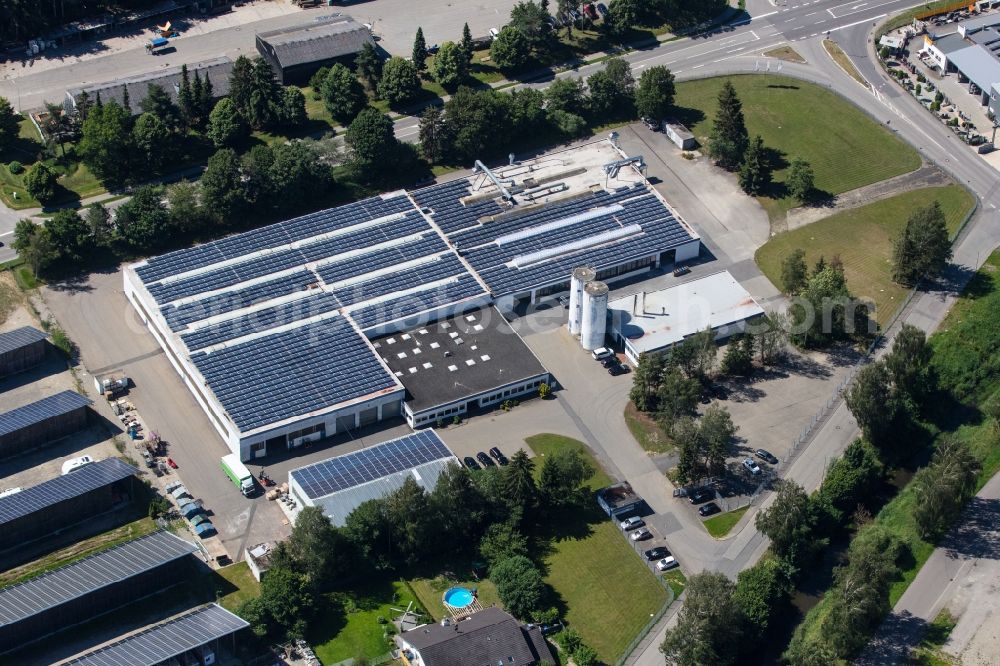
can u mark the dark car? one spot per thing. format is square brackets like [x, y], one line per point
[681, 270]
[651, 124]
[609, 361]
[766, 456]
[720, 392]
[485, 460]
[709, 509]
[699, 496]
[470, 462]
[657, 553]
[498, 456]
[618, 369]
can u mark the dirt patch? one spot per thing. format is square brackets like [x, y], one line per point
[11, 301]
[785, 53]
[647, 431]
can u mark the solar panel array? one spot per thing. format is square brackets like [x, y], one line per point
[81, 481]
[20, 337]
[375, 462]
[449, 213]
[41, 410]
[163, 641]
[337, 271]
[92, 573]
[443, 267]
[291, 373]
[410, 307]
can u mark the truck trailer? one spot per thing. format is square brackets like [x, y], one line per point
[238, 474]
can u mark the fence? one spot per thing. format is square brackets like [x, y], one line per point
[653, 621]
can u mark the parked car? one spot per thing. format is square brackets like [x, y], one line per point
[74, 464]
[656, 553]
[609, 361]
[499, 456]
[751, 466]
[699, 496]
[766, 456]
[635, 522]
[494, 33]
[641, 535]
[680, 270]
[651, 124]
[666, 563]
[709, 509]
[602, 353]
[205, 529]
[485, 460]
[618, 369]
[470, 462]
[198, 519]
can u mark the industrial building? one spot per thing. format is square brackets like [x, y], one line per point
[296, 52]
[309, 295]
[460, 364]
[652, 322]
[21, 349]
[973, 51]
[195, 636]
[90, 587]
[216, 71]
[59, 503]
[340, 485]
[42, 422]
[620, 501]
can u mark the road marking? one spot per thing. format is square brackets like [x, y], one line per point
[859, 6]
[811, 13]
[851, 25]
[754, 18]
[739, 48]
[9, 233]
[697, 66]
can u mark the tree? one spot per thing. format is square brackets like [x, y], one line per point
[519, 585]
[526, 108]
[58, 125]
[826, 311]
[716, 432]
[466, 43]
[159, 103]
[924, 249]
[568, 124]
[369, 527]
[503, 541]
[184, 204]
[83, 105]
[676, 396]
[738, 359]
[40, 181]
[400, 82]
[9, 126]
[709, 625]
[612, 89]
[69, 234]
[758, 592]
[789, 523]
[435, 135]
[563, 473]
[531, 20]
[106, 145]
[99, 223]
[771, 336]
[728, 140]
[567, 95]
[420, 50]
[943, 487]
[655, 93]
[319, 550]
[372, 142]
[256, 175]
[511, 50]
[143, 221]
[204, 97]
[34, 245]
[909, 362]
[240, 83]
[451, 65]
[316, 80]
[873, 403]
[459, 506]
[479, 121]
[622, 15]
[564, 7]
[646, 381]
[263, 105]
[221, 185]
[794, 273]
[343, 94]
[755, 172]
[852, 480]
[285, 598]
[696, 355]
[152, 140]
[368, 64]
[186, 102]
[800, 179]
[292, 107]
[519, 482]
[295, 171]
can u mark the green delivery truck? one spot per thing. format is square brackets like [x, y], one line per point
[238, 474]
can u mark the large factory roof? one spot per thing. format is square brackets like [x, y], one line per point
[48, 493]
[90, 574]
[321, 39]
[41, 410]
[20, 337]
[159, 643]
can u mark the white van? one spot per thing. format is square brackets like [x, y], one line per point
[7, 492]
[74, 464]
[602, 353]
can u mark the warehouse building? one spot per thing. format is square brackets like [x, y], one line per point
[296, 52]
[196, 636]
[65, 501]
[652, 322]
[296, 305]
[21, 349]
[973, 52]
[216, 71]
[42, 422]
[91, 587]
[340, 485]
[460, 364]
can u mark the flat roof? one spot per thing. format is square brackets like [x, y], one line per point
[51, 407]
[322, 38]
[619, 495]
[160, 642]
[980, 22]
[948, 44]
[978, 64]
[114, 565]
[79, 482]
[655, 320]
[20, 337]
[458, 357]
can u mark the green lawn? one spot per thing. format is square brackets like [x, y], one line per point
[928, 653]
[243, 585]
[862, 237]
[429, 591]
[846, 149]
[607, 591]
[349, 626]
[719, 526]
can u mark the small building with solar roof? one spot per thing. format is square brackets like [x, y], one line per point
[272, 329]
[340, 485]
[88, 588]
[42, 422]
[21, 349]
[62, 502]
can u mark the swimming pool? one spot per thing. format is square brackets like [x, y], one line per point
[458, 597]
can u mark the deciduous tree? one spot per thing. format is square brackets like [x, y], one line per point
[531, 20]
[143, 221]
[222, 186]
[789, 523]
[568, 94]
[519, 585]
[800, 180]
[451, 65]
[709, 625]
[654, 95]
[511, 50]
[152, 140]
[794, 273]
[343, 94]
[612, 89]
[69, 234]
[923, 250]
[40, 181]
[400, 83]
[372, 142]
[873, 403]
[106, 146]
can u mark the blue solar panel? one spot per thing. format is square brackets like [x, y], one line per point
[446, 266]
[409, 308]
[294, 372]
[44, 409]
[20, 337]
[80, 481]
[375, 462]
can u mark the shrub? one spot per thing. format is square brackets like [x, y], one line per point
[15, 167]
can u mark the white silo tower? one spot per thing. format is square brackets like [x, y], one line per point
[595, 315]
[578, 278]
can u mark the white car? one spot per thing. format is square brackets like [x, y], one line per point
[7, 492]
[751, 466]
[602, 353]
[666, 563]
[632, 523]
[641, 534]
[494, 33]
[74, 464]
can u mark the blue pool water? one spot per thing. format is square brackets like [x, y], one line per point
[458, 597]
